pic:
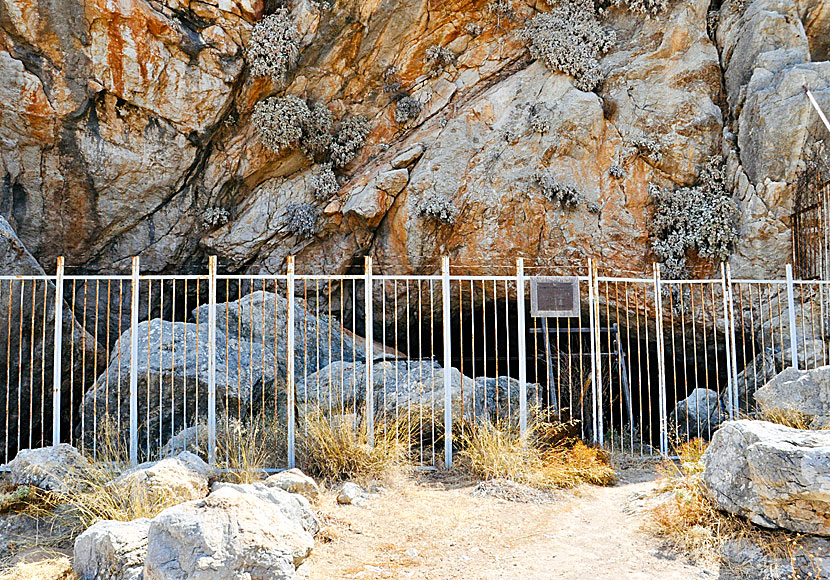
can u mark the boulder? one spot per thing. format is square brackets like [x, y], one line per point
[698, 415]
[193, 439]
[776, 476]
[808, 557]
[802, 394]
[173, 480]
[295, 481]
[294, 506]
[59, 468]
[231, 534]
[755, 375]
[111, 550]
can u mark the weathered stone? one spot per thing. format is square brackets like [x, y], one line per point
[111, 550]
[408, 157]
[755, 375]
[809, 557]
[350, 494]
[776, 476]
[698, 415]
[59, 468]
[295, 481]
[798, 393]
[393, 182]
[229, 535]
[172, 480]
[294, 506]
[193, 439]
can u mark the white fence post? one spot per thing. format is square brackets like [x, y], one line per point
[729, 337]
[791, 305]
[289, 365]
[57, 375]
[592, 314]
[370, 352]
[134, 289]
[661, 362]
[520, 328]
[211, 360]
[736, 395]
[445, 303]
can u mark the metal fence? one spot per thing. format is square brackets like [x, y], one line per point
[146, 364]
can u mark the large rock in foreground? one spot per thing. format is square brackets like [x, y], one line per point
[112, 550]
[172, 480]
[798, 394]
[698, 415]
[229, 535]
[776, 476]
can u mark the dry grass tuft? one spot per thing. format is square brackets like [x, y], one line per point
[245, 449]
[53, 568]
[543, 458]
[337, 449]
[794, 419]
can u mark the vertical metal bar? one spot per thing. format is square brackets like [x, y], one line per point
[732, 347]
[57, 374]
[592, 300]
[370, 379]
[211, 403]
[520, 329]
[791, 305]
[661, 366]
[728, 337]
[289, 365]
[134, 363]
[445, 297]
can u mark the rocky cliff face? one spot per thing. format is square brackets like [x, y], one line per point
[127, 130]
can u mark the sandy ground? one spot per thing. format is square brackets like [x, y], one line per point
[440, 530]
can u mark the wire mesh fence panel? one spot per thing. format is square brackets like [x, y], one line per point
[810, 299]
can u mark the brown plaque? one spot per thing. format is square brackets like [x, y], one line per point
[554, 297]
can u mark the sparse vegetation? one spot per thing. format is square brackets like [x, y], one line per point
[437, 59]
[540, 458]
[302, 220]
[280, 121]
[616, 171]
[540, 118]
[50, 567]
[317, 138]
[324, 182]
[437, 208]
[647, 8]
[349, 140]
[215, 217]
[472, 29]
[568, 197]
[648, 148]
[274, 47]
[701, 218]
[406, 109]
[336, 449]
[244, 449]
[570, 39]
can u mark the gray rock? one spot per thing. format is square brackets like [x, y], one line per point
[801, 393]
[295, 481]
[754, 376]
[775, 476]
[193, 439]
[111, 550]
[746, 559]
[173, 480]
[231, 534]
[698, 415]
[59, 468]
[350, 494]
[173, 381]
[408, 157]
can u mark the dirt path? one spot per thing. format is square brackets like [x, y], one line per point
[432, 531]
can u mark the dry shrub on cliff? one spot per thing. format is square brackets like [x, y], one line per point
[244, 449]
[541, 458]
[565, 195]
[274, 47]
[280, 121]
[316, 139]
[350, 138]
[647, 8]
[701, 218]
[438, 58]
[437, 208]
[324, 182]
[406, 109]
[570, 39]
[302, 220]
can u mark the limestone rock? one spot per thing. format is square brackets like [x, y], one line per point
[226, 536]
[111, 550]
[295, 481]
[776, 476]
[172, 480]
[193, 439]
[746, 559]
[294, 506]
[59, 468]
[800, 393]
[698, 415]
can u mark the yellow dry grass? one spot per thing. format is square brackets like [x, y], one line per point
[541, 457]
[53, 568]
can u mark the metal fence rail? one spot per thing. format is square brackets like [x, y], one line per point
[147, 364]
